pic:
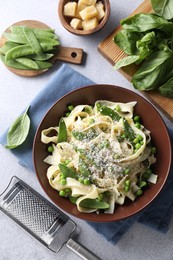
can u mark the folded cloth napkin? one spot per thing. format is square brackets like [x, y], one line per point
[157, 215]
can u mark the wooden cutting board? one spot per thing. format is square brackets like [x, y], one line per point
[113, 54]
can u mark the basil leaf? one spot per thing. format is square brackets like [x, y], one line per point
[126, 61]
[150, 80]
[151, 72]
[145, 22]
[127, 41]
[167, 89]
[163, 8]
[18, 131]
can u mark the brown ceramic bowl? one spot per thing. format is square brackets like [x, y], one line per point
[150, 118]
[66, 20]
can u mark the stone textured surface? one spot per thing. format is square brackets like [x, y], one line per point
[16, 92]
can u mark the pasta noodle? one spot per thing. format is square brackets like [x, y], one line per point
[104, 156]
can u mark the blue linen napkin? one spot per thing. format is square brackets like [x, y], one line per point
[160, 211]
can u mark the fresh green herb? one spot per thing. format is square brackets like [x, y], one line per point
[148, 40]
[18, 132]
[163, 8]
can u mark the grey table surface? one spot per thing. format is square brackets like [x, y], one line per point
[140, 242]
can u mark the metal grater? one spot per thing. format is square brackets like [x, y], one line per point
[40, 218]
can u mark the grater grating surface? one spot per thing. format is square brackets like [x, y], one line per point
[24, 207]
[40, 218]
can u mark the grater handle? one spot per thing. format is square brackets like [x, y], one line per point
[81, 251]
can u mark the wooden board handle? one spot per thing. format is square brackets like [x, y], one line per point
[72, 55]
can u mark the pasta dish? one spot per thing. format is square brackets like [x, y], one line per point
[100, 155]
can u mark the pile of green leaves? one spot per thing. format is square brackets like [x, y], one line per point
[29, 48]
[148, 41]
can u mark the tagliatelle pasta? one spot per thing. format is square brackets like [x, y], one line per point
[103, 156]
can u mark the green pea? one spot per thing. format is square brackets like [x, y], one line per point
[142, 184]
[70, 107]
[41, 57]
[140, 138]
[127, 182]
[32, 39]
[153, 150]
[19, 51]
[139, 192]
[126, 171]
[16, 37]
[67, 114]
[67, 190]
[63, 182]
[62, 193]
[86, 181]
[48, 41]
[81, 180]
[118, 108]
[7, 46]
[136, 119]
[13, 64]
[135, 141]
[101, 196]
[67, 161]
[91, 121]
[50, 149]
[138, 125]
[28, 62]
[146, 174]
[137, 146]
[126, 188]
[62, 176]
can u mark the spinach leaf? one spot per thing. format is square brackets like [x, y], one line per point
[151, 72]
[126, 61]
[167, 88]
[127, 41]
[18, 131]
[149, 80]
[163, 8]
[145, 22]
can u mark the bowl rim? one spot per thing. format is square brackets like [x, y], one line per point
[83, 32]
[107, 217]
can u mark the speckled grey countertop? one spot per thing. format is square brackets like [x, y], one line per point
[140, 242]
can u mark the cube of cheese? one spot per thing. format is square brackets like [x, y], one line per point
[80, 7]
[100, 9]
[88, 12]
[90, 23]
[87, 2]
[70, 9]
[76, 23]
